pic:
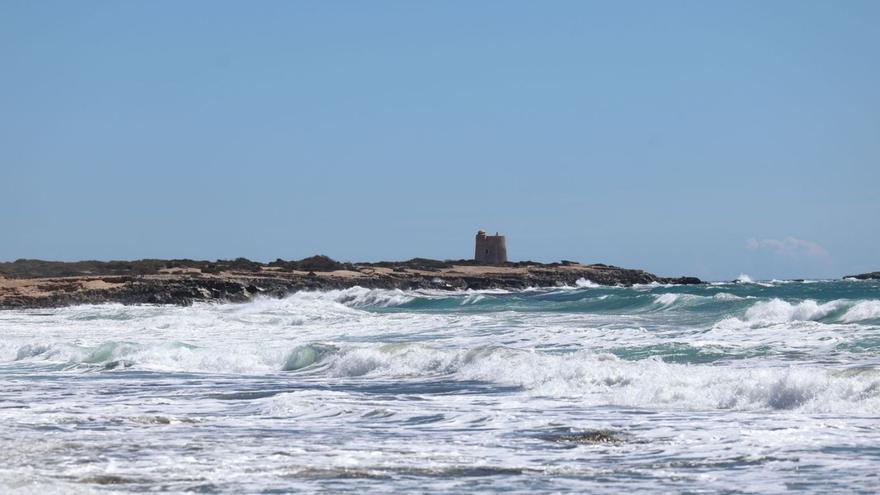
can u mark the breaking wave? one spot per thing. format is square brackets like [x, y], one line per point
[358, 297]
[584, 283]
[594, 378]
[726, 296]
[667, 299]
[779, 311]
[603, 379]
[862, 311]
[170, 356]
[761, 312]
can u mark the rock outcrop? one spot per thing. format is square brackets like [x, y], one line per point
[34, 283]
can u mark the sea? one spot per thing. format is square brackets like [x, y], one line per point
[746, 387]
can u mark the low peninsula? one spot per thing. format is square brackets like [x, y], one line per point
[41, 284]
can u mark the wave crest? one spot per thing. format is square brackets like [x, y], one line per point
[594, 379]
[358, 297]
[603, 379]
[779, 311]
[863, 310]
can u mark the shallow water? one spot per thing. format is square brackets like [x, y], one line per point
[754, 387]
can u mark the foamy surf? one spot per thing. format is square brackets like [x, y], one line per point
[358, 389]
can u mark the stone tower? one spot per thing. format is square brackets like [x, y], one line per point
[490, 249]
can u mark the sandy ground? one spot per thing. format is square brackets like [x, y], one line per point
[179, 270]
[476, 271]
[36, 287]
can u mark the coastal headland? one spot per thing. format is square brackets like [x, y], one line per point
[37, 283]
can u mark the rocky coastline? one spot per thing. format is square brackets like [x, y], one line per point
[42, 284]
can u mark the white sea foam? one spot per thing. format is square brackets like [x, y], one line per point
[171, 356]
[584, 283]
[598, 379]
[602, 379]
[472, 299]
[345, 394]
[779, 311]
[667, 299]
[671, 299]
[864, 310]
[359, 297]
[744, 278]
[652, 285]
[726, 296]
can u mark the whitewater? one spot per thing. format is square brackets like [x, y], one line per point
[745, 387]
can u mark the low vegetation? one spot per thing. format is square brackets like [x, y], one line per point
[32, 268]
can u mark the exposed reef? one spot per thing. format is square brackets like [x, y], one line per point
[865, 276]
[36, 283]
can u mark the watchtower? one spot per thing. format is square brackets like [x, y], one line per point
[490, 249]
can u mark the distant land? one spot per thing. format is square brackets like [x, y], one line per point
[28, 283]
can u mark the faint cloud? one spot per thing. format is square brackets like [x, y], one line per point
[789, 247]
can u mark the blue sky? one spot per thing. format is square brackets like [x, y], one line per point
[699, 138]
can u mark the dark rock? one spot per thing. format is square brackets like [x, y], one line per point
[587, 437]
[242, 279]
[319, 263]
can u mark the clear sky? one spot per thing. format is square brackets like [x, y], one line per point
[703, 138]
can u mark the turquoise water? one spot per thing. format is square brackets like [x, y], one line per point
[738, 388]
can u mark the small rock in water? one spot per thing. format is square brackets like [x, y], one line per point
[587, 437]
[118, 363]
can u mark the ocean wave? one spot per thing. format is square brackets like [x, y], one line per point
[602, 379]
[746, 279]
[726, 296]
[594, 378]
[168, 356]
[771, 311]
[304, 356]
[648, 286]
[863, 310]
[584, 283]
[673, 300]
[359, 297]
[472, 299]
[823, 317]
[779, 311]
[667, 299]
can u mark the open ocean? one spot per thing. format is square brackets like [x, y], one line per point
[734, 388]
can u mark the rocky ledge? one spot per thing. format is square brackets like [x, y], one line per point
[865, 276]
[36, 283]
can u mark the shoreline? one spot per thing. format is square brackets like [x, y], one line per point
[40, 284]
